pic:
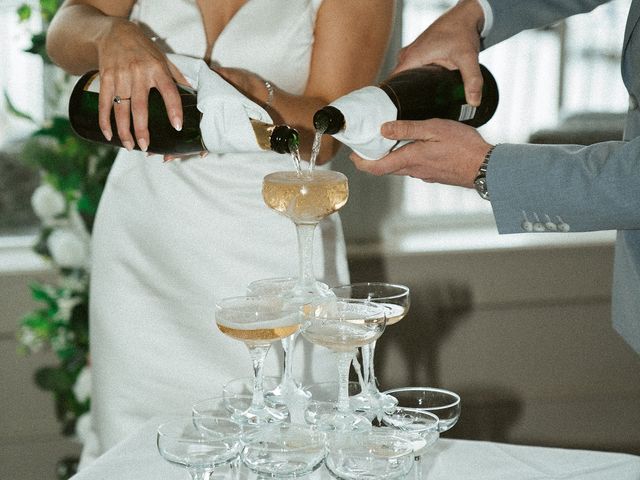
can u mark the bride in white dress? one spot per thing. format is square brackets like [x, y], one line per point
[172, 237]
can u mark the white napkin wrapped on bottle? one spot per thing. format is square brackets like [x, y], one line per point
[226, 113]
[365, 110]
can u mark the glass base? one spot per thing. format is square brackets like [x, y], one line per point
[260, 416]
[315, 293]
[342, 422]
[287, 393]
[373, 403]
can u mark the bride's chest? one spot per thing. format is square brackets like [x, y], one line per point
[272, 38]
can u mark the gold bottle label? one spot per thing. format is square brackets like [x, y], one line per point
[263, 133]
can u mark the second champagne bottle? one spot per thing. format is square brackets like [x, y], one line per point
[164, 139]
[421, 93]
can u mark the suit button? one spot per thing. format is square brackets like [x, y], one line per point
[562, 226]
[549, 225]
[633, 102]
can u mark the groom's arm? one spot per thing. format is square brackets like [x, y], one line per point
[513, 16]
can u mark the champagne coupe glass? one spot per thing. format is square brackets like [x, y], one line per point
[257, 321]
[227, 406]
[419, 427]
[395, 300]
[199, 446]
[323, 400]
[284, 450]
[375, 455]
[343, 326]
[305, 197]
[289, 388]
[443, 403]
[235, 390]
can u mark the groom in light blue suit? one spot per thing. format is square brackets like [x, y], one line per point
[569, 187]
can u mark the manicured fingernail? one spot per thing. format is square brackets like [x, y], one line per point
[474, 99]
[128, 144]
[167, 159]
[142, 143]
[107, 134]
[177, 124]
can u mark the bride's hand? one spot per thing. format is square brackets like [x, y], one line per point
[248, 83]
[130, 65]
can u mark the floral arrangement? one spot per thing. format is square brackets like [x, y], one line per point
[73, 173]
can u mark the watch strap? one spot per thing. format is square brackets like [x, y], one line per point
[480, 182]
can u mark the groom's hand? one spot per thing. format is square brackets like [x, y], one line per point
[442, 151]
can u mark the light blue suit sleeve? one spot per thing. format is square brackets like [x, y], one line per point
[584, 188]
[589, 188]
[512, 16]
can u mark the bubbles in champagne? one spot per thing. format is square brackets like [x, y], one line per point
[259, 331]
[307, 197]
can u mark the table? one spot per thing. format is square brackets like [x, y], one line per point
[136, 458]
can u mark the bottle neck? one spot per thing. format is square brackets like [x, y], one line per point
[328, 120]
[278, 138]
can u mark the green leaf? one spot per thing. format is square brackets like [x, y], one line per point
[43, 293]
[53, 379]
[11, 108]
[48, 9]
[38, 46]
[39, 321]
[58, 128]
[24, 12]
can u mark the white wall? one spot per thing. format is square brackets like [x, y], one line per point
[525, 337]
[29, 433]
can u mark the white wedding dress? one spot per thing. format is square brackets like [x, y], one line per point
[172, 238]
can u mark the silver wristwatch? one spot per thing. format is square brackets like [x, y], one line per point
[480, 182]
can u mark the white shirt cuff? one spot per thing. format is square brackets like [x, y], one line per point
[488, 18]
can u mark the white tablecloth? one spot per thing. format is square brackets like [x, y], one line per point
[137, 458]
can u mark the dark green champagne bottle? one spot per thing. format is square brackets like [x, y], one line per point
[421, 93]
[164, 139]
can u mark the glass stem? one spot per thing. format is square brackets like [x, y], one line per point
[288, 344]
[199, 474]
[417, 465]
[359, 369]
[373, 384]
[366, 363]
[258, 354]
[344, 363]
[306, 277]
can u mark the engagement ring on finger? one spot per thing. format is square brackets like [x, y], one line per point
[118, 99]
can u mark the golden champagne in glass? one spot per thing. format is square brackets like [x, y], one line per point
[305, 197]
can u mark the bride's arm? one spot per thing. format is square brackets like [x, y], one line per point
[96, 34]
[351, 37]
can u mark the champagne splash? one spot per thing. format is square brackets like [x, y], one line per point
[315, 149]
[295, 155]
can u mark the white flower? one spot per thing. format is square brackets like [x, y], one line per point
[84, 428]
[30, 339]
[47, 202]
[67, 249]
[62, 339]
[82, 387]
[65, 307]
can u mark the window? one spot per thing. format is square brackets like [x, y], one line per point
[544, 76]
[21, 81]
